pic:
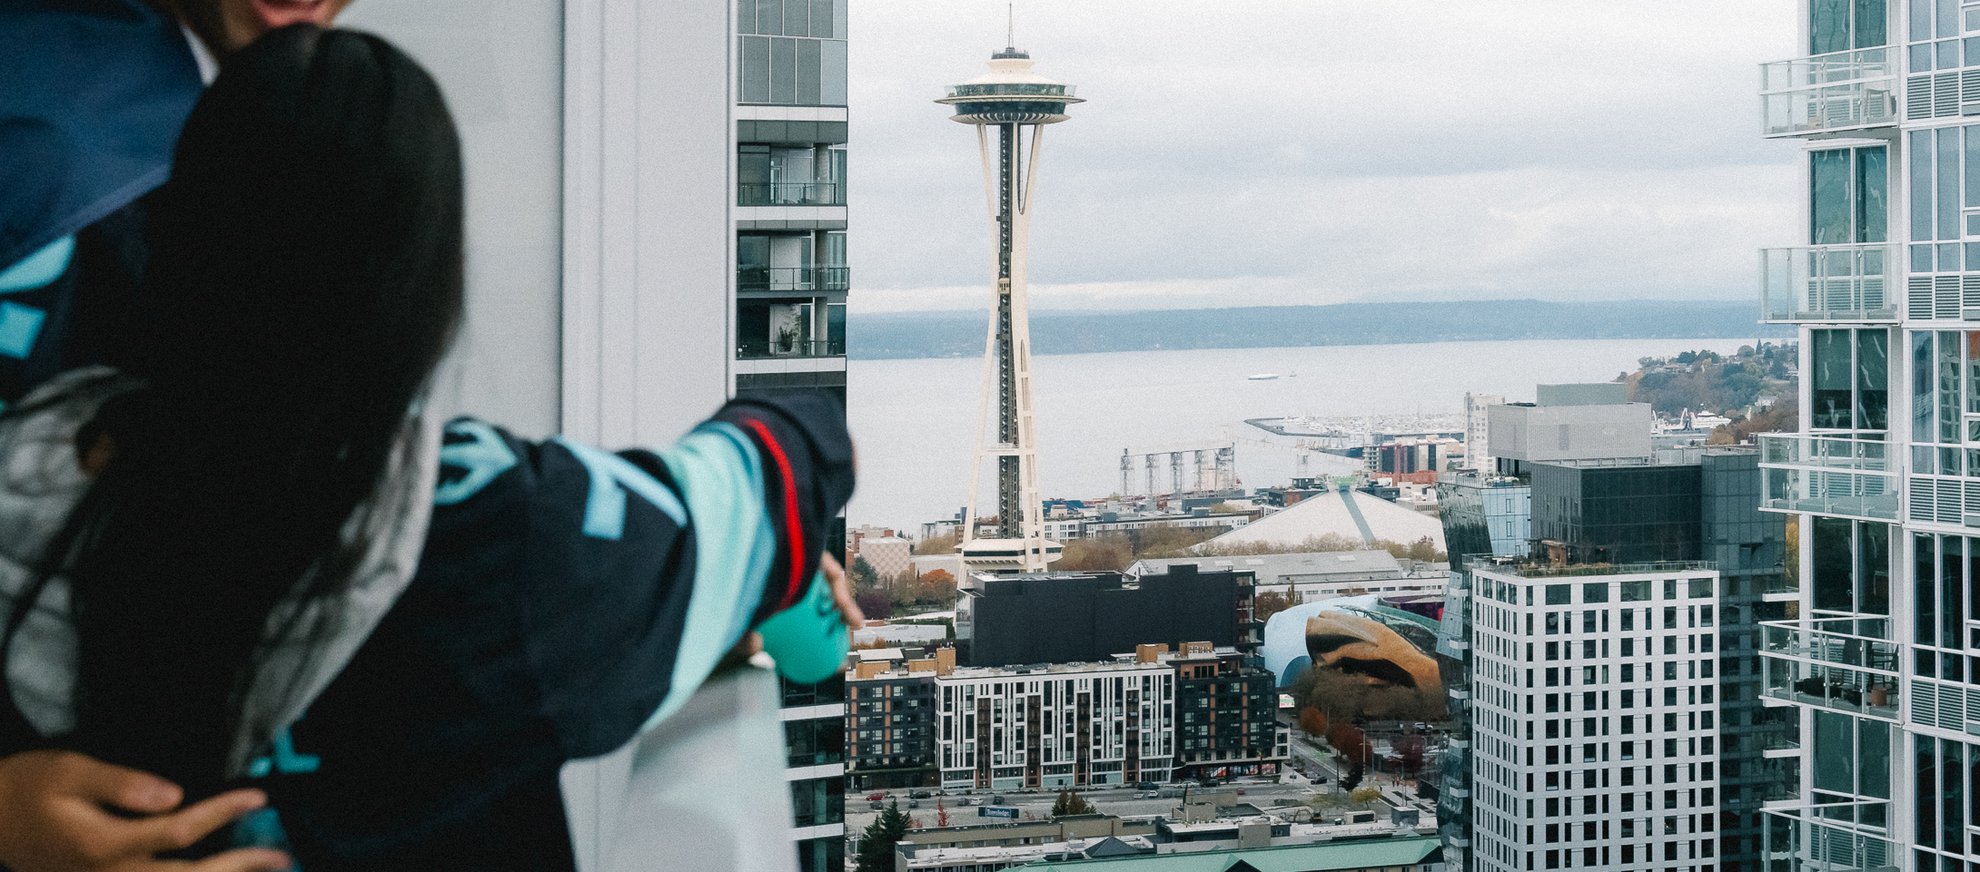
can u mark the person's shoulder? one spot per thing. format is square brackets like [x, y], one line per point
[474, 456]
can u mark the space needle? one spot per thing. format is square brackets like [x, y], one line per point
[1010, 106]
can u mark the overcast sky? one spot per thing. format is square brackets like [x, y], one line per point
[1260, 152]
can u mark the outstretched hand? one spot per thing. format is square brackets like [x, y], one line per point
[842, 594]
[65, 812]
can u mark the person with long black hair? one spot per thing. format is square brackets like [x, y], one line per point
[252, 556]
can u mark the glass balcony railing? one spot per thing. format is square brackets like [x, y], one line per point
[1842, 664]
[1844, 90]
[1832, 837]
[793, 278]
[792, 349]
[1829, 283]
[790, 194]
[1828, 475]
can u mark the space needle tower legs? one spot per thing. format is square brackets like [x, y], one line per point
[1010, 107]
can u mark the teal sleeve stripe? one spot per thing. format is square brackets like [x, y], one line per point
[479, 460]
[720, 476]
[605, 505]
[40, 268]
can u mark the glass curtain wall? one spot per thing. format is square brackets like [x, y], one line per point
[1945, 403]
[793, 51]
[1849, 195]
[1849, 380]
[1851, 571]
[1945, 200]
[1841, 25]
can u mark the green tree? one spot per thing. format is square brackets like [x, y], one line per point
[1071, 803]
[862, 574]
[876, 844]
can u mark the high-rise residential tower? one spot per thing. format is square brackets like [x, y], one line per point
[1876, 665]
[1010, 107]
[791, 121]
[791, 279]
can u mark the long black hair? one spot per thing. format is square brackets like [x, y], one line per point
[305, 280]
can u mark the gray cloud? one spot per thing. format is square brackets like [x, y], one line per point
[1242, 153]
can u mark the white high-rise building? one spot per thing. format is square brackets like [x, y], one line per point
[1477, 429]
[1880, 659]
[1593, 705]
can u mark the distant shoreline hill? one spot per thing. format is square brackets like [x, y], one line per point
[883, 336]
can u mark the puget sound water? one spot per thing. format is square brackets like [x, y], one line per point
[915, 420]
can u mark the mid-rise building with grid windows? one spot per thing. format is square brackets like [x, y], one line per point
[1594, 716]
[1880, 663]
[1581, 518]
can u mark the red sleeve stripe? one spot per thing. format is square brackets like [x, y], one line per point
[793, 525]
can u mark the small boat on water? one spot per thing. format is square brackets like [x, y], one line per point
[1262, 376]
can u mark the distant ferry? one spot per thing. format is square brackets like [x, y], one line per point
[1262, 376]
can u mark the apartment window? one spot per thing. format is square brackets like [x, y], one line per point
[793, 52]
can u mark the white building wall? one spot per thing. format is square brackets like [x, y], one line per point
[1593, 717]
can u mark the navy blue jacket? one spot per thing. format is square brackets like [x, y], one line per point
[566, 598]
[93, 94]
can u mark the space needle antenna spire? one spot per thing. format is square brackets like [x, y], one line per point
[1009, 106]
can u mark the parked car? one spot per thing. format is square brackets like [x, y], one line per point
[876, 805]
[1146, 785]
[919, 794]
[996, 799]
[965, 801]
[876, 796]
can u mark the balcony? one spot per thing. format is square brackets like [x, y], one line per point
[1831, 837]
[1779, 588]
[1841, 664]
[1780, 744]
[1829, 283]
[1829, 93]
[790, 194]
[797, 349]
[1828, 475]
[794, 279]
